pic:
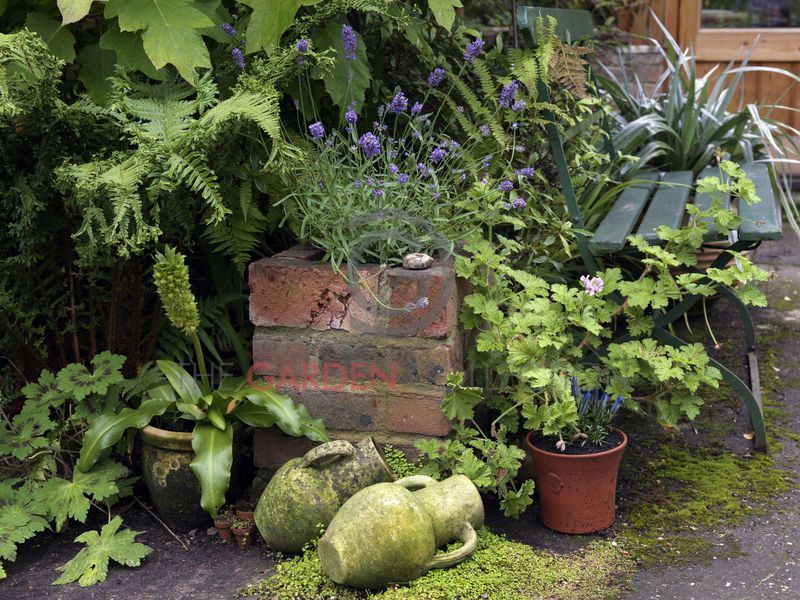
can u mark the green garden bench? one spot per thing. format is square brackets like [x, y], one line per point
[660, 199]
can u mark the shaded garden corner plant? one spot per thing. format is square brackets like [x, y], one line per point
[40, 488]
[531, 336]
[182, 398]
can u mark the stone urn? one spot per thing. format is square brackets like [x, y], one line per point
[306, 492]
[389, 532]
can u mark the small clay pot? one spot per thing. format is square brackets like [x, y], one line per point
[223, 523]
[577, 492]
[243, 532]
[245, 512]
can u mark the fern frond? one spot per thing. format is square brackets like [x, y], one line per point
[193, 172]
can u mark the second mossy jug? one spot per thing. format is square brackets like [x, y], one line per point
[306, 492]
[388, 533]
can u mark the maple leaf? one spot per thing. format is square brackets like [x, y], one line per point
[90, 565]
[170, 32]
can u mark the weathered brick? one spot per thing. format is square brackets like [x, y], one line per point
[341, 409]
[287, 291]
[416, 413]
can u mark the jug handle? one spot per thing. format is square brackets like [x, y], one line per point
[337, 449]
[470, 539]
[415, 482]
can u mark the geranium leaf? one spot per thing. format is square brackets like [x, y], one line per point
[90, 565]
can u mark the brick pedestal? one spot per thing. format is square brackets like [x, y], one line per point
[368, 356]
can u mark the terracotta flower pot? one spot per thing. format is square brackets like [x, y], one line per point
[244, 533]
[577, 492]
[223, 523]
[245, 513]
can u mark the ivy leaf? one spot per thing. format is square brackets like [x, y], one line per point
[68, 499]
[58, 38]
[444, 11]
[349, 79]
[474, 468]
[77, 380]
[169, 32]
[269, 20]
[129, 50]
[90, 565]
[73, 10]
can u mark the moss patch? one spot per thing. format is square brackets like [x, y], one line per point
[499, 569]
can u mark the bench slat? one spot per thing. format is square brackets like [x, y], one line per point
[704, 201]
[621, 219]
[668, 204]
[760, 221]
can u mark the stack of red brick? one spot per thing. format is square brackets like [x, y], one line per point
[366, 350]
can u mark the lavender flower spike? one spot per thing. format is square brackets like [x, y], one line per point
[351, 117]
[228, 29]
[505, 186]
[436, 77]
[399, 103]
[317, 130]
[473, 50]
[508, 93]
[592, 286]
[238, 57]
[350, 42]
[370, 144]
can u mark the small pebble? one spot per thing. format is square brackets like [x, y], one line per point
[417, 261]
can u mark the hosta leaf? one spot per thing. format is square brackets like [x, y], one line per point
[169, 32]
[90, 565]
[444, 11]
[73, 10]
[349, 79]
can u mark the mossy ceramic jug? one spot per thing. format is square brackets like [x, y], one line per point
[389, 532]
[306, 492]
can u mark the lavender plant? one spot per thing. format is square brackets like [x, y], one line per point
[439, 158]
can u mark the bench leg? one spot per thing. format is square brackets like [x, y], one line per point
[752, 401]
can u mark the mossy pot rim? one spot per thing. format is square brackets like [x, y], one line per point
[166, 439]
[619, 448]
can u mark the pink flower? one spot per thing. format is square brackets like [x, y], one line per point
[592, 286]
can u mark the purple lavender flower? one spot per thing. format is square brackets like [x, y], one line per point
[317, 130]
[518, 105]
[351, 117]
[238, 57]
[525, 172]
[435, 195]
[399, 103]
[508, 93]
[357, 183]
[473, 50]
[519, 203]
[486, 162]
[438, 155]
[377, 193]
[459, 109]
[393, 154]
[436, 76]
[417, 108]
[505, 186]
[485, 131]
[229, 29]
[392, 169]
[402, 178]
[321, 184]
[515, 126]
[592, 286]
[370, 145]
[350, 42]
[423, 169]
[463, 177]
[507, 205]
[302, 45]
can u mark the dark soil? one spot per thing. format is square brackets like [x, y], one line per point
[548, 444]
[209, 568]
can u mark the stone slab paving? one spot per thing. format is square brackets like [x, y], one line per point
[770, 566]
